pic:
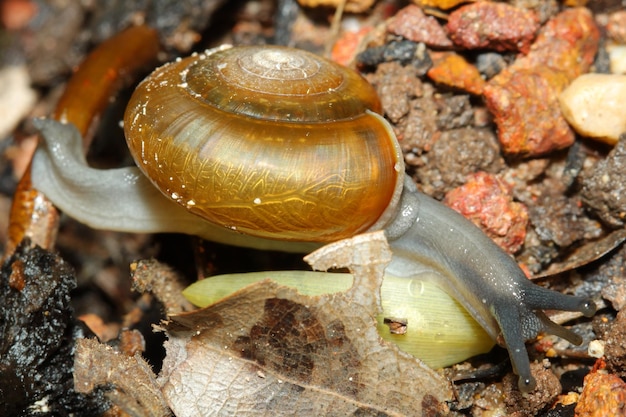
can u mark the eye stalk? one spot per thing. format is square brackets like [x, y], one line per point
[212, 165]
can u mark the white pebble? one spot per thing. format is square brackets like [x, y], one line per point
[16, 97]
[594, 106]
[596, 348]
[617, 58]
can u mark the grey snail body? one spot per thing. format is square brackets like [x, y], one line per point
[277, 148]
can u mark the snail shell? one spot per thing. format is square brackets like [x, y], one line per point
[272, 142]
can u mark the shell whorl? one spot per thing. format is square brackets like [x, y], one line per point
[274, 83]
[270, 141]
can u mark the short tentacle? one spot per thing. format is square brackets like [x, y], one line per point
[515, 328]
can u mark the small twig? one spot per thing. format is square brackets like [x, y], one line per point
[86, 96]
[334, 28]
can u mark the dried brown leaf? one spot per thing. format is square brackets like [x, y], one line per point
[587, 253]
[267, 350]
[134, 388]
[159, 279]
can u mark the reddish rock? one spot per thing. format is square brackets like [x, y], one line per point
[526, 110]
[523, 97]
[453, 70]
[568, 42]
[412, 24]
[496, 26]
[604, 395]
[487, 201]
[15, 14]
[345, 49]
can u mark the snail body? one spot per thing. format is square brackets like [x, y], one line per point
[216, 157]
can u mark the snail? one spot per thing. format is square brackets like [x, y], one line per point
[276, 148]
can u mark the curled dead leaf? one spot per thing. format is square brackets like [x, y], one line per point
[131, 382]
[587, 253]
[269, 350]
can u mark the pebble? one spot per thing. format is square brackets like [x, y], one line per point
[16, 97]
[490, 64]
[604, 395]
[453, 70]
[524, 105]
[523, 98]
[594, 106]
[596, 349]
[404, 51]
[345, 49]
[488, 202]
[616, 26]
[412, 24]
[617, 58]
[496, 26]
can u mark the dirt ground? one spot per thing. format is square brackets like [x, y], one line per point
[555, 201]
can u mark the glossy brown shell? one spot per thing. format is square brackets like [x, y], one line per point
[270, 141]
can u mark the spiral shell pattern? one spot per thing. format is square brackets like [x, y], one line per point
[270, 141]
